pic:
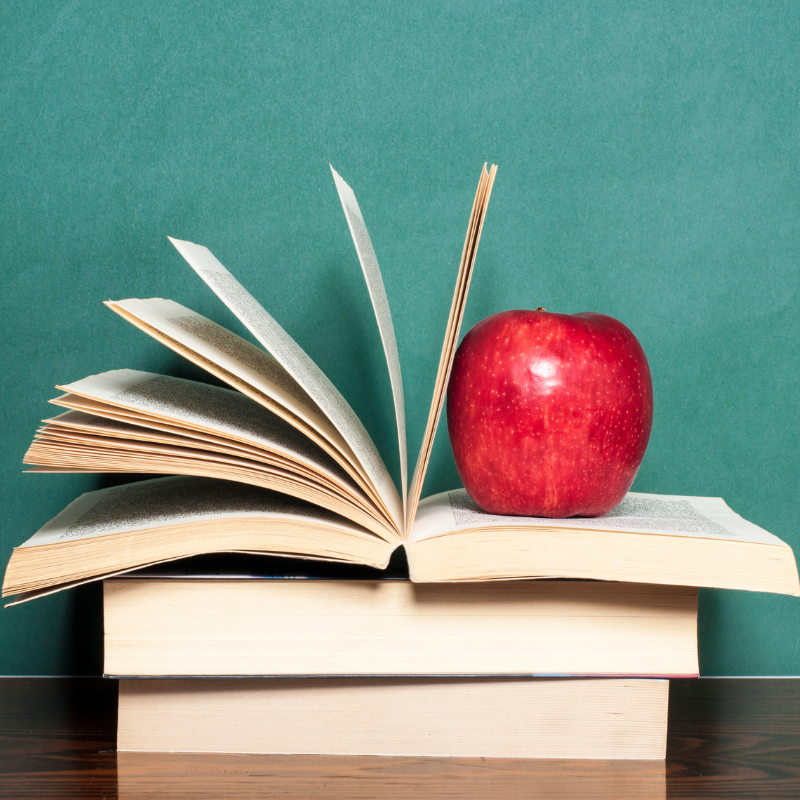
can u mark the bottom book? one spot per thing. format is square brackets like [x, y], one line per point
[564, 718]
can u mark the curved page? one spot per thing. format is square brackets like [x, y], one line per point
[60, 447]
[295, 361]
[128, 430]
[140, 422]
[383, 314]
[245, 367]
[224, 412]
[230, 352]
[450, 339]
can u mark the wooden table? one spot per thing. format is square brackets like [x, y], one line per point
[728, 738]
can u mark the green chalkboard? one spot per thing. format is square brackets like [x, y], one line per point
[649, 166]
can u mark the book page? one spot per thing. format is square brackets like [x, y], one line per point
[173, 501]
[295, 361]
[673, 515]
[80, 441]
[245, 367]
[86, 430]
[383, 314]
[451, 337]
[210, 408]
[225, 349]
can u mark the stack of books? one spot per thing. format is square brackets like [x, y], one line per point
[496, 636]
[211, 659]
[349, 666]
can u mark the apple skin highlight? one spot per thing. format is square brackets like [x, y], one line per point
[549, 415]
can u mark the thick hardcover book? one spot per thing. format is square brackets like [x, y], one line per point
[227, 626]
[279, 463]
[613, 718]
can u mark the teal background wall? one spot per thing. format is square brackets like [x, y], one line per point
[648, 159]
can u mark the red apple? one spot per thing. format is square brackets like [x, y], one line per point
[549, 414]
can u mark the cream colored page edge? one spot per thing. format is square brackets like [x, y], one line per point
[105, 386]
[86, 455]
[297, 363]
[360, 483]
[85, 439]
[86, 428]
[81, 434]
[383, 314]
[451, 337]
[201, 434]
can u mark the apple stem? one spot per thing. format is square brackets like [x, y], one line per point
[541, 308]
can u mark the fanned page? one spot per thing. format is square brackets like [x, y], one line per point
[227, 355]
[131, 421]
[451, 338]
[383, 314]
[211, 409]
[297, 363]
[245, 367]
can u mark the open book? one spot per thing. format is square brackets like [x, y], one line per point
[280, 464]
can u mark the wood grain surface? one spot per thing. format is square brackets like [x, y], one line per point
[729, 738]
